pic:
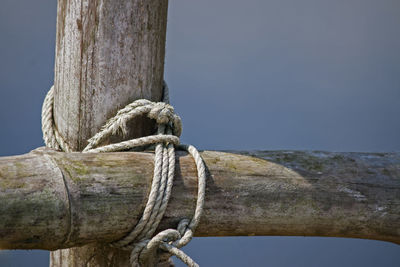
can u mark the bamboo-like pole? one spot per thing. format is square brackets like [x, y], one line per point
[52, 200]
[108, 53]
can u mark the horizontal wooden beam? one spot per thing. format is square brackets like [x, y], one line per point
[52, 200]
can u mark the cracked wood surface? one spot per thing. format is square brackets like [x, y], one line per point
[53, 200]
[108, 54]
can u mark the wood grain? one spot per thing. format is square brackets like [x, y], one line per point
[108, 54]
[53, 200]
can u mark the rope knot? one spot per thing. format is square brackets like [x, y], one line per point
[161, 112]
[145, 247]
[164, 113]
[147, 250]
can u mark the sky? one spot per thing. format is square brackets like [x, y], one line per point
[243, 75]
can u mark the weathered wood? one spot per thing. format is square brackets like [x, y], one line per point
[108, 53]
[53, 200]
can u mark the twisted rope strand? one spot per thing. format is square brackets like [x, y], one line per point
[138, 142]
[151, 202]
[143, 245]
[50, 133]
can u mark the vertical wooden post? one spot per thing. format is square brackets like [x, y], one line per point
[108, 53]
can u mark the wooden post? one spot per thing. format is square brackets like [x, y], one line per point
[108, 53]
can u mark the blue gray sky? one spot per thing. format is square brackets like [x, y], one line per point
[255, 74]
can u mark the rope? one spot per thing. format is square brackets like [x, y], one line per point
[144, 245]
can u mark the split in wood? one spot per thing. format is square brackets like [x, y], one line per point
[52, 200]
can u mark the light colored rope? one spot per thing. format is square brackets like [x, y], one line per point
[142, 242]
[51, 136]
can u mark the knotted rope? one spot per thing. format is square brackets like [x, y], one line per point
[145, 248]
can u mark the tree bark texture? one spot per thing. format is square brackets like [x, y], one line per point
[52, 200]
[108, 54]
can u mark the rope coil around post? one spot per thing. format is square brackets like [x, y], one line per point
[144, 245]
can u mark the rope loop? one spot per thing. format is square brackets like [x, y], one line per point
[144, 245]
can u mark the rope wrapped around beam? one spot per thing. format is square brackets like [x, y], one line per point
[144, 245]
